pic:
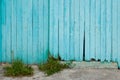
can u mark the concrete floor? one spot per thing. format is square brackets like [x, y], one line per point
[76, 73]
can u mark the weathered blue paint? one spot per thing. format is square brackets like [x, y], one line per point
[72, 26]
[35, 30]
[87, 30]
[82, 27]
[92, 19]
[8, 30]
[29, 29]
[13, 30]
[114, 30]
[3, 30]
[103, 30]
[19, 30]
[55, 27]
[77, 25]
[108, 29]
[46, 29]
[24, 30]
[41, 30]
[92, 28]
[118, 21]
[61, 27]
[0, 31]
[97, 30]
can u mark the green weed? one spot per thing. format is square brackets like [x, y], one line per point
[18, 69]
[52, 66]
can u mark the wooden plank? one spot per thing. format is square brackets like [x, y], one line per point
[25, 30]
[19, 29]
[103, 30]
[108, 29]
[92, 29]
[3, 30]
[87, 30]
[51, 26]
[98, 29]
[61, 28]
[35, 31]
[29, 33]
[8, 31]
[77, 32]
[82, 27]
[55, 31]
[66, 29]
[114, 30]
[0, 31]
[118, 21]
[41, 49]
[72, 26]
[13, 30]
[46, 30]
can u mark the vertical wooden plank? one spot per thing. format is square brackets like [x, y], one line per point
[19, 29]
[8, 30]
[98, 29]
[87, 30]
[29, 35]
[66, 29]
[61, 29]
[35, 30]
[77, 44]
[13, 30]
[46, 30]
[72, 26]
[82, 25]
[118, 21]
[41, 31]
[92, 29]
[25, 30]
[114, 30]
[108, 29]
[51, 41]
[3, 30]
[103, 30]
[0, 33]
[55, 49]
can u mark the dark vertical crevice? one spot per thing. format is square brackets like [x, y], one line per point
[84, 46]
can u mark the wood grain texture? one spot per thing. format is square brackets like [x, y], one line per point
[0, 31]
[70, 29]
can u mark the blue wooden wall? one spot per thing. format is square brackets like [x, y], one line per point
[72, 29]
[24, 30]
[85, 29]
[0, 32]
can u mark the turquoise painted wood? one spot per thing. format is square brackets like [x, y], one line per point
[88, 29]
[71, 29]
[0, 31]
[24, 30]
[118, 21]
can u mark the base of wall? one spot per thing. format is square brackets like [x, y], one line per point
[96, 65]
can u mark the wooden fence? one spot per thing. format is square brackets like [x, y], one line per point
[71, 29]
[24, 30]
[85, 29]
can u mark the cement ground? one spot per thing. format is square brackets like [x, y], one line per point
[87, 72]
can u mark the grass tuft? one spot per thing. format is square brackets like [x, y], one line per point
[18, 69]
[52, 66]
